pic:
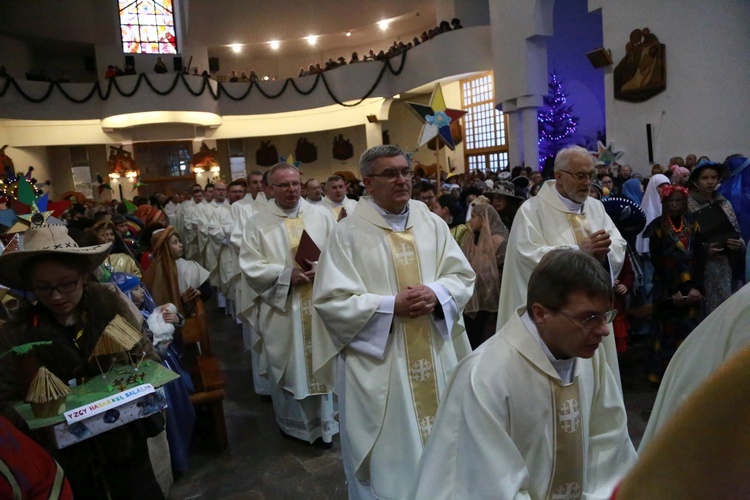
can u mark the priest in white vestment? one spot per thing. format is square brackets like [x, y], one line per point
[335, 199]
[218, 214]
[391, 286]
[721, 335]
[193, 218]
[303, 405]
[561, 215]
[313, 193]
[246, 299]
[536, 412]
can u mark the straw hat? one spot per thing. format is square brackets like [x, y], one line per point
[43, 240]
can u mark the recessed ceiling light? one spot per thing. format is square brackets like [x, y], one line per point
[383, 24]
[275, 44]
[266, 78]
[348, 33]
[312, 39]
[236, 48]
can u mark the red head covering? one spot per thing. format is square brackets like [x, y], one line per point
[671, 188]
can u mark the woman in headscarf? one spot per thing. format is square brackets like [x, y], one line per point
[71, 311]
[676, 248]
[633, 190]
[724, 271]
[172, 279]
[651, 206]
[484, 248]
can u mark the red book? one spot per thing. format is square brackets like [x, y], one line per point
[306, 251]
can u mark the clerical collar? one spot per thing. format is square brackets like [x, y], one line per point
[564, 367]
[291, 212]
[396, 221]
[572, 206]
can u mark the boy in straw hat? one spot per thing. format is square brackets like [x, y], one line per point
[65, 307]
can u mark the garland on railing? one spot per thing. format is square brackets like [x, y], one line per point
[112, 83]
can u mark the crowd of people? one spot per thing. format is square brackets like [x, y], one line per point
[418, 322]
[397, 48]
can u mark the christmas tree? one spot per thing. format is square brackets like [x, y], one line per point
[556, 124]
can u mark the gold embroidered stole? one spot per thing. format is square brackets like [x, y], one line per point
[567, 475]
[579, 226]
[295, 228]
[416, 333]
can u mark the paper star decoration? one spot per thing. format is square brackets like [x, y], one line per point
[607, 154]
[436, 119]
[34, 219]
[290, 160]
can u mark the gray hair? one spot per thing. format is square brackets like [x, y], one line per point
[563, 272]
[279, 167]
[565, 155]
[369, 157]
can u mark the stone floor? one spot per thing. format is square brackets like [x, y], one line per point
[260, 463]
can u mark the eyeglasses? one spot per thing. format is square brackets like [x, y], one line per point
[580, 176]
[62, 288]
[591, 322]
[287, 185]
[392, 174]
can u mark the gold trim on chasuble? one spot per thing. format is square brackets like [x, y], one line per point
[567, 475]
[416, 333]
[294, 229]
[579, 227]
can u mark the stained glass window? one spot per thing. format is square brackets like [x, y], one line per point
[486, 147]
[147, 27]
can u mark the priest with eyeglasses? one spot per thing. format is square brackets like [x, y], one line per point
[536, 412]
[562, 215]
[392, 284]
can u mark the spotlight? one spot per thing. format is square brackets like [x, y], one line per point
[312, 39]
[266, 78]
[383, 24]
[236, 48]
[275, 44]
[348, 33]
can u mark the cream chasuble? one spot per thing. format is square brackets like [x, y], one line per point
[509, 427]
[542, 224]
[389, 392]
[266, 258]
[241, 212]
[218, 219]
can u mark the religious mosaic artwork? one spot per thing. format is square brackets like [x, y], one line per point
[147, 27]
[642, 73]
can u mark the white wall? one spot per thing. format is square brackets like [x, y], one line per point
[704, 109]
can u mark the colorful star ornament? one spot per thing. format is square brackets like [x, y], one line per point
[102, 185]
[27, 209]
[436, 119]
[290, 160]
[607, 154]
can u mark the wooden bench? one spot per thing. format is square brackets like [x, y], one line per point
[205, 370]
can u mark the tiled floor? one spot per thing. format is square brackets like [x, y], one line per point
[262, 464]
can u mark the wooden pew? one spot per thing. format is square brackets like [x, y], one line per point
[205, 370]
